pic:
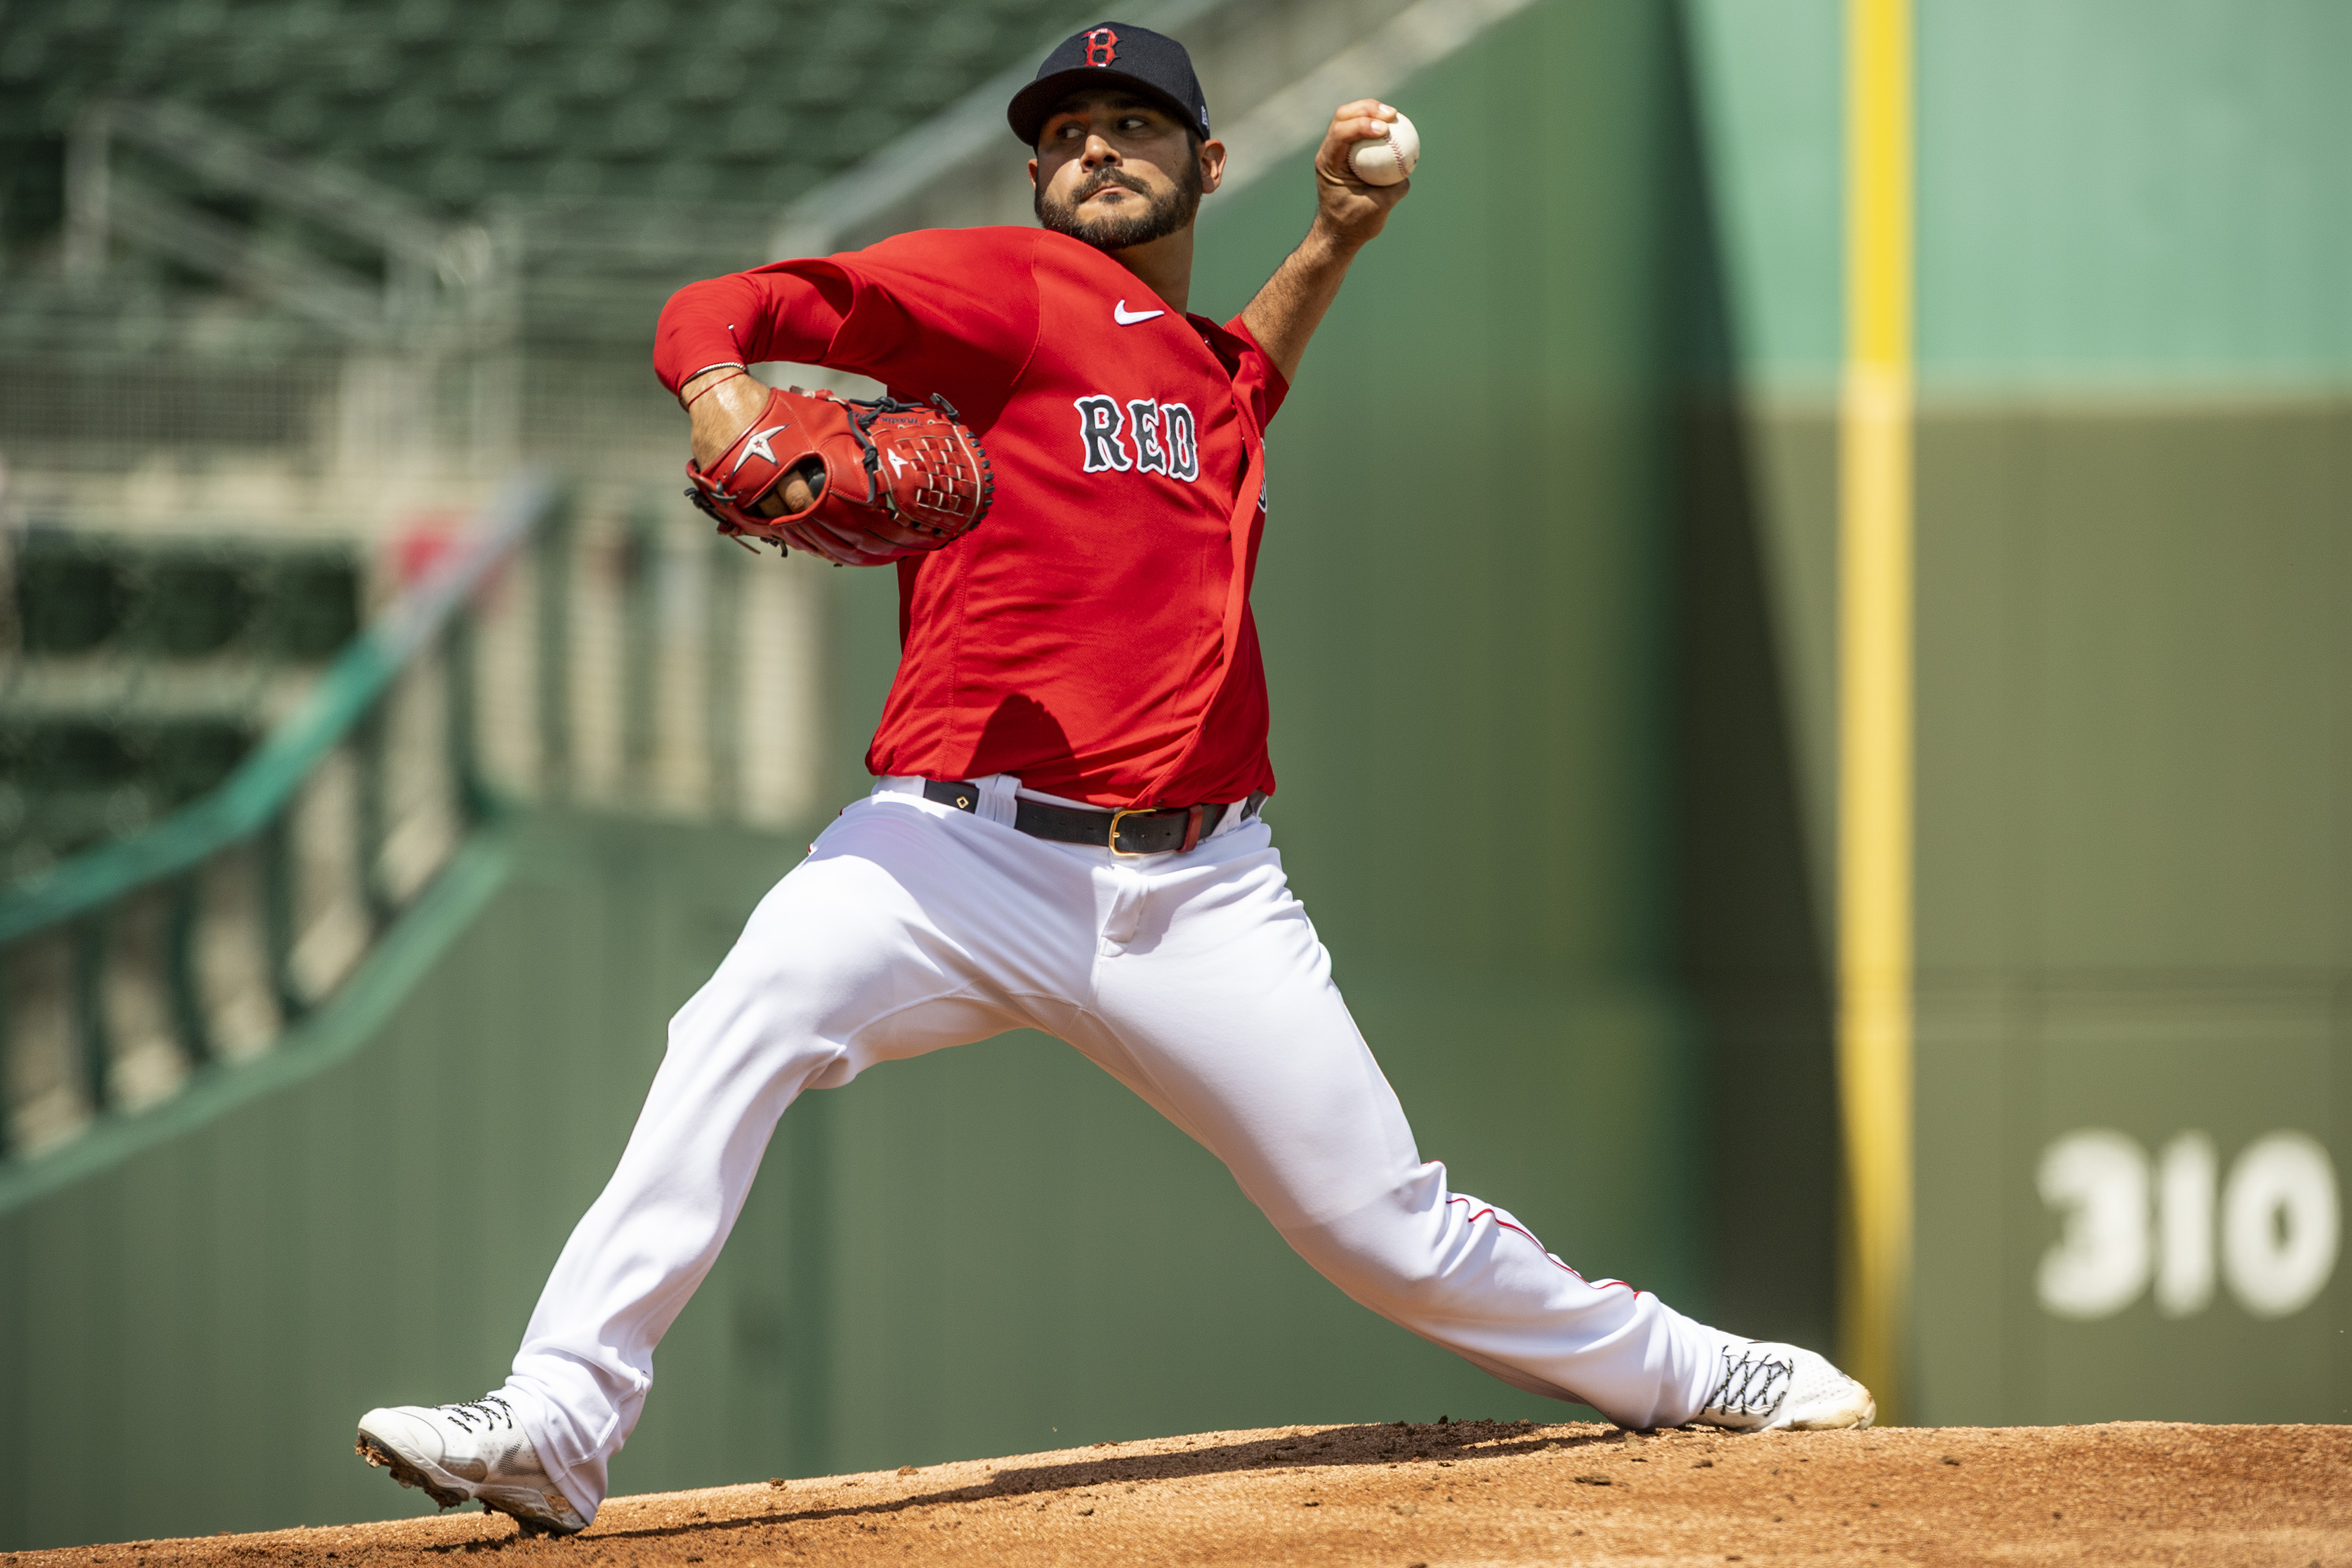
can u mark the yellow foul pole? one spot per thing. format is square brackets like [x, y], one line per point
[1874, 694]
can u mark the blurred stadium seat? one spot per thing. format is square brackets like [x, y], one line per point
[371, 85]
[78, 593]
[145, 671]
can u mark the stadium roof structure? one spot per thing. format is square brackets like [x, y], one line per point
[630, 143]
[751, 101]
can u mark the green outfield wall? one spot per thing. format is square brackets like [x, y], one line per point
[2133, 803]
[2133, 589]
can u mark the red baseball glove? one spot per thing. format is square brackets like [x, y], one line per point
[882, 461]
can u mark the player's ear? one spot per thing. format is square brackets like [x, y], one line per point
[1213, 165]
[1032, 174]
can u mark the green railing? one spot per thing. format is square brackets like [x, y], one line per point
[207, 934]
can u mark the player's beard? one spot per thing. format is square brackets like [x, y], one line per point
[1162, 215]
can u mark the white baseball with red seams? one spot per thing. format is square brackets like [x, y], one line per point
[1387, 159]
[1194, 978]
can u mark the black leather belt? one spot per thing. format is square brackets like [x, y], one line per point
[1150, 831]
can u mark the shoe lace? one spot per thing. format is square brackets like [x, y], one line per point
[475, 1410]
[1752, 1385]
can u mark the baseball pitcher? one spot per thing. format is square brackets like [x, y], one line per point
[1069, 477]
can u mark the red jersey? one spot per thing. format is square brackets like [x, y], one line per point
[1093, 636]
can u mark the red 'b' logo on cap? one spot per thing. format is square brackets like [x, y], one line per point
[1102, 47]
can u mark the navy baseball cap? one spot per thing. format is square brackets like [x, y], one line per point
[1153, 64]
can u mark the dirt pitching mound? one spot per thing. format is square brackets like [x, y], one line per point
[1481, 1492]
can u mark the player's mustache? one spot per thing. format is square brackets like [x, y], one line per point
[1107, 179]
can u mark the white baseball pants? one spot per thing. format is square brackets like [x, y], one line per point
[1194, 978]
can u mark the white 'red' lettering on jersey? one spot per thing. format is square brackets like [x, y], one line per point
[1145, 436]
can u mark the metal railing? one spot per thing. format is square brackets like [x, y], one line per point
[127, 967]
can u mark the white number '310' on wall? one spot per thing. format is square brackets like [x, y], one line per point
[2130, 1220]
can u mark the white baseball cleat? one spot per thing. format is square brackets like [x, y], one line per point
[474, 1451]
[1769, 1387]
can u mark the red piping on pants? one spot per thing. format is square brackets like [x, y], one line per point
[1506, 1225]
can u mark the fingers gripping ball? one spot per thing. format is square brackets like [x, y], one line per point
[872, 464]
[1389, 159]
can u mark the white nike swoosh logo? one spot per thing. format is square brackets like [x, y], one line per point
[1127, 318]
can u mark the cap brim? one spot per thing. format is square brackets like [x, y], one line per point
[1034, 104]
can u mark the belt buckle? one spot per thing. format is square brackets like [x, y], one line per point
[1119, 816]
